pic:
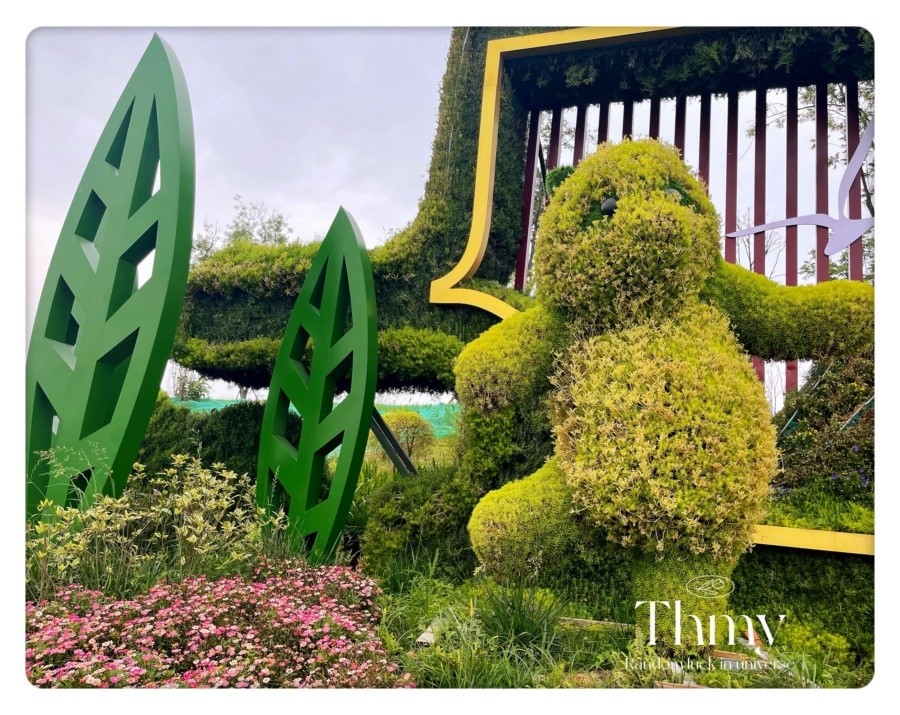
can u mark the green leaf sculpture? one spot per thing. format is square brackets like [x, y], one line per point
[336, 311]
[102, 334]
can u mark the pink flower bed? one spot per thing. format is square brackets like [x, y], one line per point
[287, 626]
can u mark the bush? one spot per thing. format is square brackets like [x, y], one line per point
[509, 364]
[822, 591]
[778, 322]
[288, 625]
[414, 433]
[527, 528]
[664, 435]
[520, 616]
[425, 513]
[643, 262]
[182, 522]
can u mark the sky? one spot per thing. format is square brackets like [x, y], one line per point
[304, 120]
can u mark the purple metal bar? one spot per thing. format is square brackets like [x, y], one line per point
[627, 117]
[705, 107]
[822, 262]
[680, 112]
[580, 120]
[731, 177]
[527, 199]
[603, 124]
[790, 209]
[654, 118]
[854, 207]
[555, 139]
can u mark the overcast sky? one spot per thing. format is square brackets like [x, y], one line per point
[302, 119]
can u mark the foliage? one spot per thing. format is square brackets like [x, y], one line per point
[819, 441]
[188, 385]
[818, 505]
[414, 433]
[509, 364]
[285, 625]
[183, 522]
[825, 592]
[557, 176]
[527, 528]
[664, 436]
[642, 262]
[407, 357]
[426, 512]
[253, 223]
[520, 615]
[229, 435]
[778, 322]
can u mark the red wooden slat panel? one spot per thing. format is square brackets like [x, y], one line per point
[854, 208]
[627, 117]
[580, 120]
[731, 177]
[555, 139]
[527, 199]
[759, 201]
[790, 210]
[654, 118]
[822, 262]
[705, 107]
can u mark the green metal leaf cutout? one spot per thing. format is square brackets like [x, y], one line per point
[336, 311]
[104, 329]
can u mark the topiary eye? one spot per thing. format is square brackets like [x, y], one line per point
[608, 207]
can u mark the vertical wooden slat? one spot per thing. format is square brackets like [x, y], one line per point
[527, 198]
[705, 109]
[790, 210]
[759, 201]
[654, 117]
[627, 117]
[854, 208]
[680, 113]
[580, 121]
[731, 177]
[822, 262]
[603, 124]
[555, 139]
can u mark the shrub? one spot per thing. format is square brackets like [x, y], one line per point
[288, 625]
[426, 513]
[664, 435]
[520, 616]
[509, 364]
[818, 446]
[779, 322]
[185, 521]
[414, 433]
[654, 253]
[527, 528]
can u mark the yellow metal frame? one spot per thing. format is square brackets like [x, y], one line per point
[445, 289]
[816, 539]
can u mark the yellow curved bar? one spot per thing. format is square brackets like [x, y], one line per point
[816, 539]
[444, 289]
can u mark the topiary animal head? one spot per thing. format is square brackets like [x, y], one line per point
[630, 235]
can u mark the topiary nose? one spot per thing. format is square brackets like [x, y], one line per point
[608, 207]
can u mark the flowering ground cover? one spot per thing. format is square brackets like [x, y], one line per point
[287, 625]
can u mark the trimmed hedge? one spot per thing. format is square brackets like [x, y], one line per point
[819, 590]
[644, 261]
[527, 528]
[509, 364]
[664, 434]
[407, 357]
[778, 322]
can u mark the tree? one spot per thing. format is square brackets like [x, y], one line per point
[187, 384]
[252, 222]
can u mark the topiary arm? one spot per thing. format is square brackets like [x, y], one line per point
[778, 322]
